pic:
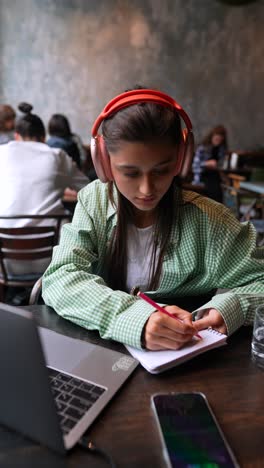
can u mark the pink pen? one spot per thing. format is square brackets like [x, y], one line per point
[161, 309]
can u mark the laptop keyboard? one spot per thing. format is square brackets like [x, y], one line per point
[73, 397]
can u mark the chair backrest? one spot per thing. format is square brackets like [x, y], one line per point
[30, 242]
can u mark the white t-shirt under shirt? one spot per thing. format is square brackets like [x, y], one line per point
[140, 245]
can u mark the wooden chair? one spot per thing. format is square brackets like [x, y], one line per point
[246, 207]
[22, 245]
[232, 189]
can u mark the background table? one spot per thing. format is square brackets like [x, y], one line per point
[257, 188]
[232, 383]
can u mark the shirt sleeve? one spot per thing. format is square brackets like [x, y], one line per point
[237, 264]
[198, 162]
[76, 293]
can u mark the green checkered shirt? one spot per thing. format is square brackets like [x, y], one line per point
[214, 251]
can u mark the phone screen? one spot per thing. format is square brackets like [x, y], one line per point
[190, 431]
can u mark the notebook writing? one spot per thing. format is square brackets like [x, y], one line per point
[158, 361]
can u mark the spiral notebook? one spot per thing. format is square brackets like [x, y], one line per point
[158, 361]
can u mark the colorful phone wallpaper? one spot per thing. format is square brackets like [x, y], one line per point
[190, 433]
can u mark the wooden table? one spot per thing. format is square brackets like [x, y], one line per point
[232, 383]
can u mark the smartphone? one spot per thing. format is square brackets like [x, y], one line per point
[190, 434]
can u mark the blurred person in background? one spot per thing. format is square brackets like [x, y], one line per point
[7, 123]
[33, 176]
[209, 156]
[33, 180]
[62, 137]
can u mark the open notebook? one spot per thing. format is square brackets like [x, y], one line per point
[158, 361]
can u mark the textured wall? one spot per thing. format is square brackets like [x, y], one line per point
[72, 56]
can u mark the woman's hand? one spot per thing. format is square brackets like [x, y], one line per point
[163, 332]
[211, 164]
[211, 318]
[70, 193]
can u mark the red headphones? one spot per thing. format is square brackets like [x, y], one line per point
[99, 152]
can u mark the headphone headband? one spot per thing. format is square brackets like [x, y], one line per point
[99, 153]
[137, 96]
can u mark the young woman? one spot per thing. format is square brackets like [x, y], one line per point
[209, 155]
[139, 229]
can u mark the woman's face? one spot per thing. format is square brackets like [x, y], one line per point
[9, 124]
[217, 139]
[143, 173]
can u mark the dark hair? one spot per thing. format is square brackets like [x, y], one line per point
[59, 126]
[6, 113]
[144, 122]
[30, 125]
[218, 130]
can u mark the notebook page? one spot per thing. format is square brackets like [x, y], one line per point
[157, 361]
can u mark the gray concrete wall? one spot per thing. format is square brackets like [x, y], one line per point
[72, 56]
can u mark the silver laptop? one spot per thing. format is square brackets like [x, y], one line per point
[53, 387]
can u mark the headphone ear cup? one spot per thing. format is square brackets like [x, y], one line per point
[185, 154]
[101, 159]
